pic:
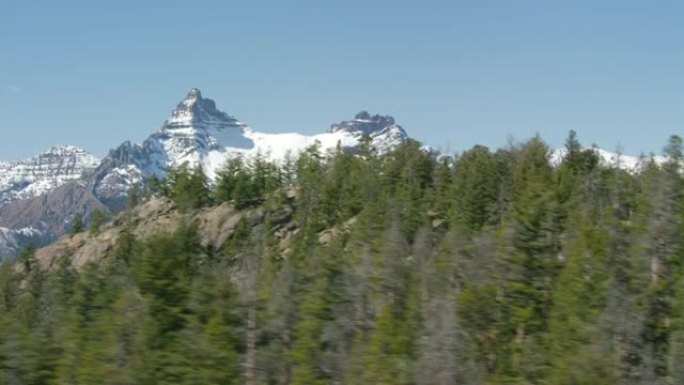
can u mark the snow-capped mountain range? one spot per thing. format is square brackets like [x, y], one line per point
[38, 196]
[197, 132]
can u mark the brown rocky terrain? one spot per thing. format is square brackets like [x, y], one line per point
[216, 224]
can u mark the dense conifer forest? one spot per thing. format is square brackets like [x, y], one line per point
[490, 267]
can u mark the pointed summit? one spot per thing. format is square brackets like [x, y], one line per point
[194, 93]
[192, 97]
[197, 112]
[195, 132]
[184, 109]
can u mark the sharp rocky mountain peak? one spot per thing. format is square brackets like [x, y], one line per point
[199, 133]
[197, 112]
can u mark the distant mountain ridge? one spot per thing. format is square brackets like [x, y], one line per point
[44, 172]
[39, 196]
[31, 179]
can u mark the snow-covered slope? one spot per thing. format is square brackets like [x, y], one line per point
[42, 173]
[199, 133]
[382, 130]
[612, 159]
[11, 241]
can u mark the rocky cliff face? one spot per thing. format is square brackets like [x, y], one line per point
[216, 224]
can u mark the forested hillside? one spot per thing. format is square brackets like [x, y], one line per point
[492, 267]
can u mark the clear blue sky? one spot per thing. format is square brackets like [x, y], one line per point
[453, 73]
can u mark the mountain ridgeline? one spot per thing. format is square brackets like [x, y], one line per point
[40, 196]
[377, 267]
